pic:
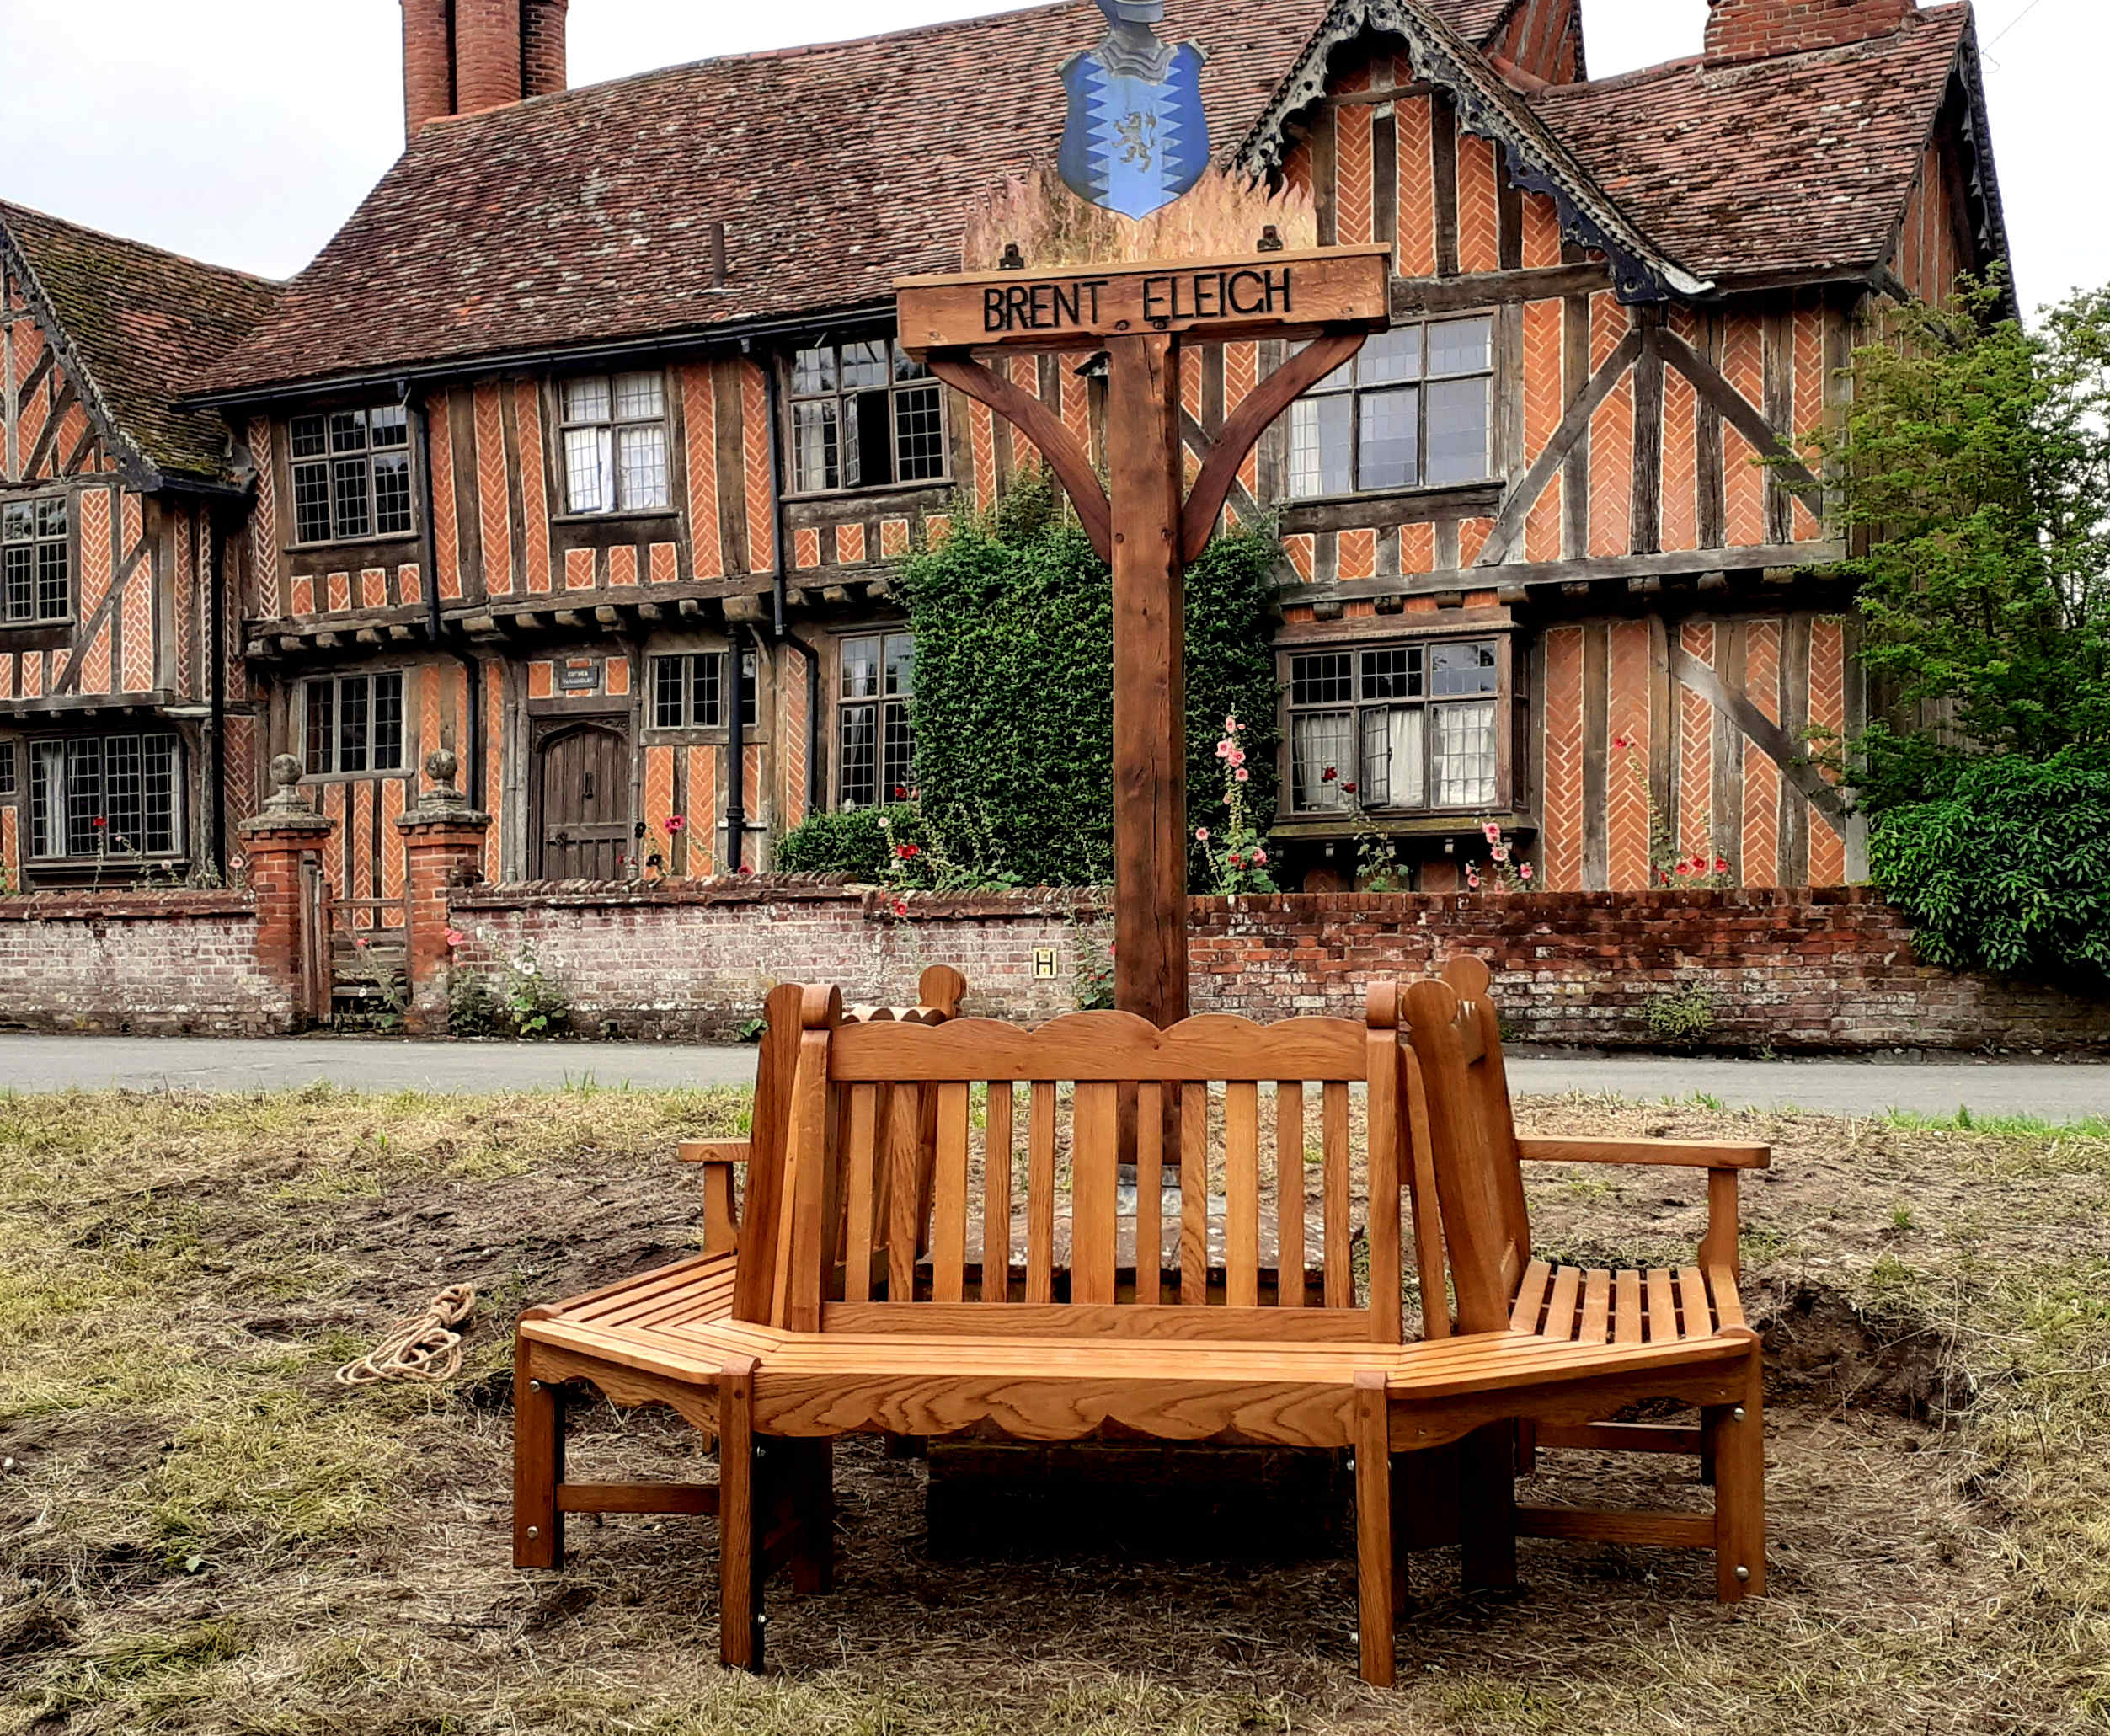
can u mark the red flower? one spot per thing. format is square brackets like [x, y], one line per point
[900, 906]
[745, 870]
[677, 822]
[1328, 775]
[1622, 742]
[1523, 870]
[1721, 864]
[900, 792]
[1348, 789]
[100, 822]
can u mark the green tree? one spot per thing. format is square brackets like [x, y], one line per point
[1975, 475]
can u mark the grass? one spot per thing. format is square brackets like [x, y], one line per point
[201, 1532]
[1964, 1120]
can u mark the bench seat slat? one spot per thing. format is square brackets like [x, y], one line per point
[1663, 1308]
[1626, 1324]
[1113, 1048]
[996, 1272]
[1695, 1315]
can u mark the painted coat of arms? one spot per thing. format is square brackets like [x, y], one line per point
[1136, 138]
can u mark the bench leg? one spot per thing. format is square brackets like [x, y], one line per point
[740, 1546]
[538, 1464]
[1486, 1508]
[1376, 1564]
[812, 1473]
[1738, 1438]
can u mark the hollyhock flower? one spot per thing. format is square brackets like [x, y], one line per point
[1500, 853]
[456, 938]
[1473, 881]
[1328, 775]
[1259, 858]
[1721, 864]
[1201, 835]
[1238, 756]
[1622, 742]
[745, 870]
[1241, 774]
[1491, 832]
[1523, 870]
[1348, 789]
[360, 941]
[1685, 868]
[677, 822]
[1223, 750]
[100, 823]
[1231, 723]
[900, 906]
[900, 794]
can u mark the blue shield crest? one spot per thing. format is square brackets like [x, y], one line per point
[1136, 138]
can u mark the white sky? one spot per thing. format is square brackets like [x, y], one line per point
[244, 132]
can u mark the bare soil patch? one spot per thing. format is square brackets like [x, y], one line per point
[199, 1532]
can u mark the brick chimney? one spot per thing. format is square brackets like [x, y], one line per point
[463, 56]
[1759, 29]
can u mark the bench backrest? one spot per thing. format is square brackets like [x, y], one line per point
[938, 993]
[1011, 1142]
[1478, 1173]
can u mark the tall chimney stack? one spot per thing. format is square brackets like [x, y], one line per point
[1759, 29]
[463, 56]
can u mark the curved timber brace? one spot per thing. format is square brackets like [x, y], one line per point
[1072, 465]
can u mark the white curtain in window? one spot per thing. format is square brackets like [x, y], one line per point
[1464, 756]
[1409, 759]
[589, 482]
[1320, 741]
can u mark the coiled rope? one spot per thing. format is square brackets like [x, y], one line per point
[422, 1347]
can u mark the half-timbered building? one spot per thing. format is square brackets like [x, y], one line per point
[586, 450]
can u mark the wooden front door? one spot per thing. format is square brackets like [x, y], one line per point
[582, 802]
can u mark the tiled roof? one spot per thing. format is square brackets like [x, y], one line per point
[584, 217]
[146, 326]
[1799, 163]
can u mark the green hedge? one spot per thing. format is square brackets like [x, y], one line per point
[1014, 690]
[852, 842]
[2009, 869]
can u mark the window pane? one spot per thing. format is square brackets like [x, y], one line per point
[1319, 456]
[348, 432]
[1322, 742]
[639, 397]
[1462, 669]
[1459, 346]
[670, 693]
[901, 754]
[813, 370]
[124, 808]
[1394, 674]
[586, 469]
[585, 400]
[815, 445]
[51, 590]
[310, 503]
[1400, 730]
[84, 797]
[322, 731]
[1320, 678]
[391, 425]
[706, 682]
[864, 365]
[919, 434]
[21, 584]
[1457, 431]
[308, 440]
[161, 823]
[643, 453]
[750, 691]
[1390, 355]
[7, 768]
[867, 443]
[47, 798]
[352, 724]
[901, 664]
[18, 521]
[860, 668]
[350, 480]
[1464, 756]
[392, 495]
[1391, 438]
[860, 769]
[1339, 380]
[50, 518]
[906, 367]
[387, 754]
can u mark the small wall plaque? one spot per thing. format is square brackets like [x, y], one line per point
[1044, 964]
[579, 675]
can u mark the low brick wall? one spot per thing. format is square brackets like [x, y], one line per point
[1793, 971]
[150, 962]
[693, 959]
[1831, 969]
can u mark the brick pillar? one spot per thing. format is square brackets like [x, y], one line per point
[280, 841]
[428, 64]
[443, 839]
[543, 61]
[487, 55]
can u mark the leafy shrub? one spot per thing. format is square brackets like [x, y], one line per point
[1013, 618]
[858, 840]
[1680, 1017]
[2008, 869]
[525, 1001]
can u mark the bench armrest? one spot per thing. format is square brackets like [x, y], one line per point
[721, 1213]
[1689, 1154]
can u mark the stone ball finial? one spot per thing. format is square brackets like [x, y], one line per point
[285, 805]
[286, 771]
[440, 765]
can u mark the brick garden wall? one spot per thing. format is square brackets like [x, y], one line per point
[157, 963]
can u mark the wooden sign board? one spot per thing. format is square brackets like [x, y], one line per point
[1200, 300]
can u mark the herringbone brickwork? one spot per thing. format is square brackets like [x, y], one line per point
[1762, 865]
[1416, 198]
[1563, 728]
[1479, 214]
[1628, 714]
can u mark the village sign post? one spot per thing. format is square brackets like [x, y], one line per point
[1143, 520]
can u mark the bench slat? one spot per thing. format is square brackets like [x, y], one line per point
[1241, 1192]
[948, 1220]
[1072, 1321]
[1560, 1311]
[1530, 1298]
[861, 1154]
[1695, 1319]
[1094, 1190]
[1111, 1047]
[1040, 1170]
[1597, 1307]
[1663, 1308]
[899, 1186]
[1289, 1192]
[1193, 1195]
[1150, 1197]
[1340, 1271]
[996, 1281]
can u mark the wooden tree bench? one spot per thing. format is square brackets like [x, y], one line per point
[864, 1300]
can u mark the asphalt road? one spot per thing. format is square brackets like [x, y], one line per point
[2058, 1092]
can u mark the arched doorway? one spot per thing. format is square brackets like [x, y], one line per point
[581, 793]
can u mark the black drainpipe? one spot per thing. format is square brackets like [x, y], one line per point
[471, 669]
[815, 769]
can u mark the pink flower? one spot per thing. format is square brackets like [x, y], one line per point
[1500, 853]
[238, 861]
[1523, 870]
[360, 941]
[1491, 832]
[1201, 835]
[900, 906]
[1241, 774]
[677, 822]
[456, 938]
[1238, 756]
[1721, 864]
[1231, 723]
[1259, 858]
[1223, 750]
[1473, 880]
[745, 870]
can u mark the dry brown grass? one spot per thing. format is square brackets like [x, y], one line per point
[199, 1532]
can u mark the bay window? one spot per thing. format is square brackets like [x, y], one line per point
[1397, 727]
[106, 795]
